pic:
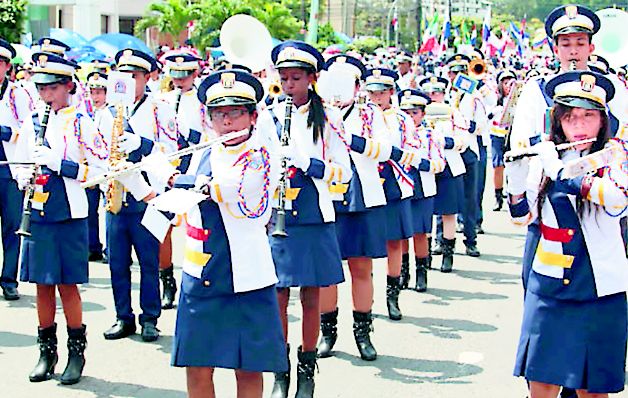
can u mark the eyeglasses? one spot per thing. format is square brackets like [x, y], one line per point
[219, 116]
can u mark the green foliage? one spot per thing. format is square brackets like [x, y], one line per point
[541, 8]
[326, 37]
[366, 45]
[13, 15]
[170, 16]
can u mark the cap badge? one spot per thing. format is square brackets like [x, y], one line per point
[341, 60]
[458, 58]
[587, 82]
[593, 58]
[571, 12]
[228, 80]
[179, 60]
[407, 94]
[377, 73]
[46, 42]
[287, 53]
[433, 80]
[127, 54]
[42, 61]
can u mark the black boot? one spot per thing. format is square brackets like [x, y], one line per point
[305, 374]
[430, 252]
[77, 342]
[568, 393]
[362, 327]
[170, 287]
[499, 199]
[421, 274]
[47, 340]
[392, 297]
[329, 333]
[282, 380]
[448, 255]
[405, 270]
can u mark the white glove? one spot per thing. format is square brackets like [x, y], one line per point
[44, 156]
[158, 167]
[295, 156]
[552, 165]
[129, 142]
[516, 176]
[23, 177]
[135, 183]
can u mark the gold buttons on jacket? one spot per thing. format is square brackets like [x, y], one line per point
[207, 283]
[294, 213]
[570, 232]
[566, 282]
[41, 213]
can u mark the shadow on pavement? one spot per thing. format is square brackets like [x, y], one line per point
[409, 370]
[29, 302]
[9, 339]
[495, 278]
[105, 283]
[106, 389]
[515, 236]
[445, 328]
[500, 259]
[444, 296]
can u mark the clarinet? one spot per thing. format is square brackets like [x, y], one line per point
[280, 224]
[176, 106]
[27, 207]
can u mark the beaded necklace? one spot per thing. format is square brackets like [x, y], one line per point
[367, 121]
[247, 161]
[99, 142]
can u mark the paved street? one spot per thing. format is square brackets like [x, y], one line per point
[456, 340]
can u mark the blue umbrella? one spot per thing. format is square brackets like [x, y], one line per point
[69, 37]
[111, 43]
[343, 36]
[85, 54]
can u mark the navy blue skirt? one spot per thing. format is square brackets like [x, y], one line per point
[56, 253]
[308, 257]
[580, 345]
[239, 331]
[497, 150]
[362, 234]
[399, 220]
[449, 197]
[422, 215]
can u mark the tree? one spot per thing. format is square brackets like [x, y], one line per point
[169, 16]
[12, 18]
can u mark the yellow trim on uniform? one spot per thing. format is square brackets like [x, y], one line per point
[331, 174]
[40, 197]
[522, 223]
[580, 94]
[218, 194]
[370, 143]
[292, 193]
[196, 258]
[85, 171]
[339, 174]
[339, 188]
[379, 149]
[600, 193]
[553, 259]
[176, 162]
[498, 131]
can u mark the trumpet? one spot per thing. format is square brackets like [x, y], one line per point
[280, 224]
[513, 155]
[27, 208]
[477, 67]
[274, 89]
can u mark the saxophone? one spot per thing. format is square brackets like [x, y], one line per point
[115, 189]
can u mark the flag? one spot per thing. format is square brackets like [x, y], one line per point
[457, 38]
[429, 38]
[395, 20]
[517, 37]
[474, 35]
[444, 41]
[486, 26]
[464, 33]
[539, 41]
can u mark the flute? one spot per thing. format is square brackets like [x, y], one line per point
[513, 155]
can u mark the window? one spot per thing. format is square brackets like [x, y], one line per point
[127, 24]
[104, 24]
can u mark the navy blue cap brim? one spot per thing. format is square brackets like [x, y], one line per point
[131, 68]
[457, 68]
[573, 29]
[577, 102]
[230, 101]
[378, 86]
[295, 64]
[180, 74]
[47, 78]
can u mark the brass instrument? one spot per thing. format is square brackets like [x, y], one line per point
[27, 208]
[573, 65]
[280, 222]
[274, 89]
[119, 172]
[477, 67]
[115, 189]
[515, 154]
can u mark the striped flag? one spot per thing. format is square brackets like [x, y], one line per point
[486, 25]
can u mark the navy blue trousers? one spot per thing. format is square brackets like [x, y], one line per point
[470, 209]
[125, 232]
[481, 180]
[93, 202]
[11, 200]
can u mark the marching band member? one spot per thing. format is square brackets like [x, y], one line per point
[398, 182]
[97, 86]
[471, 106]
[448, 123]
[505, 82]
[193, 127]
[228, 315]
[407, 76]
[55, 255]
[575, 270]
[413, 102]
[309, 257]
[15, 108]
[151, 127]
[571, 28]
[359, 214]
